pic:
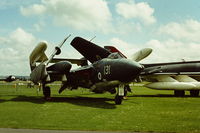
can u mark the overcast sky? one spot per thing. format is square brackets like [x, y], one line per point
[170, 27]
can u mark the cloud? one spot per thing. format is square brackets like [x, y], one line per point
[14, 52]
[172, 50]
[21, 38]
[163, 51]
[132, 10]
[16, 47]
[124, 47]
[188, 30]
[90, 15]
[34, 9]
[39, 26]
[6, 4]
[123, 27]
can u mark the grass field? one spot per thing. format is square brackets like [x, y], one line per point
[144, 110]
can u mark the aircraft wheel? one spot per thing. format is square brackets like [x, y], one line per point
[194, 93]
[179, 93]
[118, 99]
[47, 92]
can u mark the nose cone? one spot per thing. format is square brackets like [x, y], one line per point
[128, 70]
[132, 68]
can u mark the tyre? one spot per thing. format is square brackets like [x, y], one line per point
[118, 99]
[179, 93]
[46, 92]
[194, 93]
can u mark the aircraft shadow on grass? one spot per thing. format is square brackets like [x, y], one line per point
[2, 100]
[163, 96]
[23, 98]
[87, 101]
[80, 101]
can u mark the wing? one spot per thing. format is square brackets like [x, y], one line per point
[172, 76]
[79, 62]
[173, 68]
[89, 50]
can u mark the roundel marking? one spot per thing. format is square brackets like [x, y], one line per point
[99, 76]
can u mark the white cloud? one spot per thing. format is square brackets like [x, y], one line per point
[163, 51]
[16, 48]
[3, 40]
[35, 9]
[39, 26]
[172, 50]
[14, 52]
[189, 30]
[91, 15]
[21, 38]
[124, 47]
[141, 11]
[124, 27]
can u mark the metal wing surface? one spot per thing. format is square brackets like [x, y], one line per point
[89, 50]
[172, 76]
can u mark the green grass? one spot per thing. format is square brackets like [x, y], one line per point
[144, 110]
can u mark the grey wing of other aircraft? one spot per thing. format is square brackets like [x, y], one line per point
[177, 76]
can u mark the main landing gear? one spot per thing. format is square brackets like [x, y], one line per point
[46, 92]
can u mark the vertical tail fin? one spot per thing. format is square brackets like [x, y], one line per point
[113, 50]
[38, 55]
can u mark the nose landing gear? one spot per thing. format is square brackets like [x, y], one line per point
[120, 94]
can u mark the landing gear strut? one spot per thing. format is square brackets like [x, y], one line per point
[46, 92]
[120, 94]
[118, 99]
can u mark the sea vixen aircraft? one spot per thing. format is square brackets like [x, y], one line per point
[108, 71]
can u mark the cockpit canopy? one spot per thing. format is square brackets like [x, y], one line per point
[115, 55]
